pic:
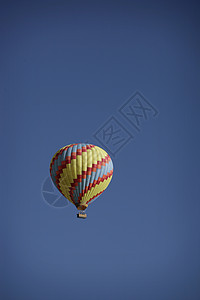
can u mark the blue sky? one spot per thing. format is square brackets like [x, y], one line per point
[66, 69]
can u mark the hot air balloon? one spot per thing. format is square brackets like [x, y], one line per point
[81, 172]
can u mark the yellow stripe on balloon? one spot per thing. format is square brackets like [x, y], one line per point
[94, 156]
[84, 161]
[68, 175]
[65, 182]
[79, 164]
[89, 158]
[98, 188]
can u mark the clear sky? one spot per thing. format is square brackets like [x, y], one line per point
[66, 68]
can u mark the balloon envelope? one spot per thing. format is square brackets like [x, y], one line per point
[81, 172]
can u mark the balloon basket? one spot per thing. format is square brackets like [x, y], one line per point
[81, 215]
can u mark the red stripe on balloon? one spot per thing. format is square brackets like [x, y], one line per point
[88, 172]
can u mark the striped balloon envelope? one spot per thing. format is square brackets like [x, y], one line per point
[81, 172]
